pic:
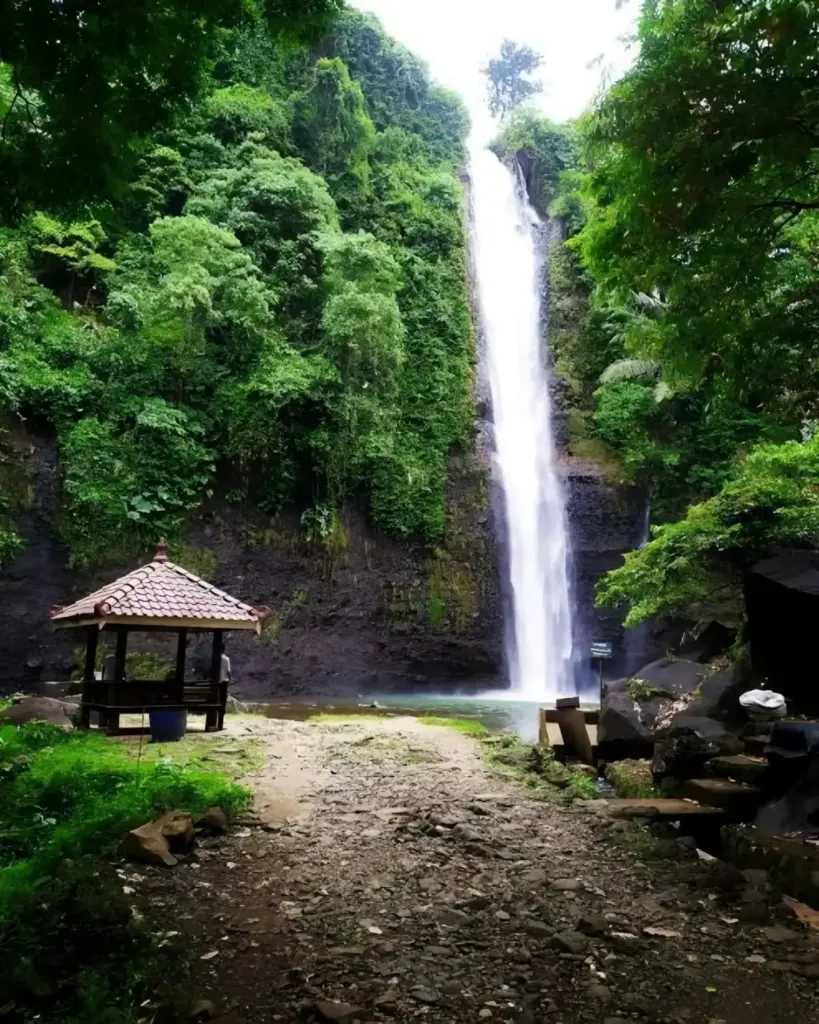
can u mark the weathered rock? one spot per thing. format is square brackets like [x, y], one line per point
[535, 876]
[626, 942]
[466, 833]
[177, 828]
[688, 742]
[425, 994]
[567, 884]
[147, 844]
[675, 677]
[537, 929]
[453, 918]
[718, 694]
[475, 903]
[754, 913]
[592, 924]
[634, 709]
[600, 993]
[387, 1002]
[215, 820]
[338, 1013]
[620, 729]
[41, 709]
[202, 1009]
[570, 942]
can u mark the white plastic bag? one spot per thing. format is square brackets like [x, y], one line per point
[763, 705]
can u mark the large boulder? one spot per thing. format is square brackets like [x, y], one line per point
[149, 845]
[718, 695]
[621, 731]
[41, 709]
[670, 677]
[633, 710]
[682, 748]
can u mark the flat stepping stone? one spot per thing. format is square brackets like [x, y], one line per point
[740, 767]
[755, 745]
[723, 793]
[666, 808]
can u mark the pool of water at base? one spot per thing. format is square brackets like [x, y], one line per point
[499, 712]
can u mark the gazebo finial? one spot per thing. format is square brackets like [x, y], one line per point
[161, 551]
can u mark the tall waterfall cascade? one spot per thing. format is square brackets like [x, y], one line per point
[507, 239]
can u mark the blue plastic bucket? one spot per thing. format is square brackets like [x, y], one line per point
[168, 726]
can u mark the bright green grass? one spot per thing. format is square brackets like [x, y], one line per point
[208, 752]
[466, 726]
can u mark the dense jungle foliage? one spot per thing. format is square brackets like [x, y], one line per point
[685, 303]
[251, 281]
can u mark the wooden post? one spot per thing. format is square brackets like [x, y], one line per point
[215, 718]
[91, 654]
[572, 724]
[181, 651]
[88, 673]
[121, 650]
[119, 655]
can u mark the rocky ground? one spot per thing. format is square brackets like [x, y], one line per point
[387, 873]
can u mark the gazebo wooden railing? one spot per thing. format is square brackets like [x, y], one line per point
[159, 597]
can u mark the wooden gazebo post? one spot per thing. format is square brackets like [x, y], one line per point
[216, 719]
[89, 669]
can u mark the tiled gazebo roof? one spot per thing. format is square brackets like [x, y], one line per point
[159, 594]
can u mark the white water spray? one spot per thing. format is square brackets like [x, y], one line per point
[508, 271]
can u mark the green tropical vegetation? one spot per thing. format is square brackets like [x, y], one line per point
[252, 282]
[74, 948]
[684, 300]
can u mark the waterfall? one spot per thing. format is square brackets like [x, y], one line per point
[507, 236]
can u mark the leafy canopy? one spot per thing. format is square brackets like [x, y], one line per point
[89, 77]
[770, 500]
[271, 305]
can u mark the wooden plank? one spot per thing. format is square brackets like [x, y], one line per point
[723, 793]
[660, 807]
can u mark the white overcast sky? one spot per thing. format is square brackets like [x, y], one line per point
[455, 37]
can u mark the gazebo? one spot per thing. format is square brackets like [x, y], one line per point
[158, 597]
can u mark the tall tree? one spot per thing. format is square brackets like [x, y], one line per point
[706, 186]
[85, 78]
[510, 77]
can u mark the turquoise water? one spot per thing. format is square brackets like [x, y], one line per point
[498, 713]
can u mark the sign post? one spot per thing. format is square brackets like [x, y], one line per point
[601, 651]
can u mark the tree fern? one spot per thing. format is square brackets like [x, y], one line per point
[630, 369]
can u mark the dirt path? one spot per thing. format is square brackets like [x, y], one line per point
[389, 869]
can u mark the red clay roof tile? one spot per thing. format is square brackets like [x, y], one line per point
[163, 590]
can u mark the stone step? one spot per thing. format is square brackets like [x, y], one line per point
[734, 797]
[740, 767]
[660, 808]
[755, 745]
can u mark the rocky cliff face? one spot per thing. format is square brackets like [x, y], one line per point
[364, 616]
[605, 520]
